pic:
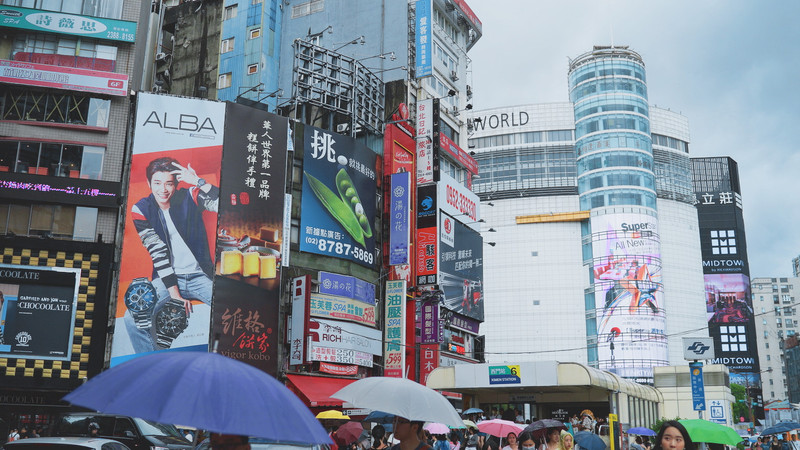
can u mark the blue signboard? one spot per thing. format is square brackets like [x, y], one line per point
[424, 39]
[56, 22]
[504, 375]
[399, 212]
[346, 286]
[698, 390]
[338, 203]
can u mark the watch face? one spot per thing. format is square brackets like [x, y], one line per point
[171, 320]
[140, 296]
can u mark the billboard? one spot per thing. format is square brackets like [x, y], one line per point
[346, 286]
[342, 308]
[37, 311]
[339, 195]
[398, 157]
[458, 201]
[71, 24]
[250, 236]
[629, 295]
[67, 78]
[427, 141]
[461, 272]
[347, 336]
[423, 38]
[394, 352]
[399, 218]
[167, 262]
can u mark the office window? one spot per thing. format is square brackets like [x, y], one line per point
[255, 33]
[229, 12]
[227, 45]
[52, 159]
[57, 221]
[224, 81]
[252, 68]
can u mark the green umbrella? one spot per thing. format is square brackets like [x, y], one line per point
[704, 431]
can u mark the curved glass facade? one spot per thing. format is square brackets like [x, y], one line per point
[626, 324]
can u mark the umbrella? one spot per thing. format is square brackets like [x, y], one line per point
[704, 431]
[332, 414]
[468, 423]
[379, 417]
[473, 411]
[539, 427]
[203, 390]
[499, 427]
[349, 432]
[437, 428]
[642, 431]
[781, 427]
[401, 397]
[589, 441]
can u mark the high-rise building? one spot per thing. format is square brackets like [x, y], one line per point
[559, 202]
[776, 317]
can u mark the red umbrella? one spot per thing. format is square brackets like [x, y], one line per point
[349, 432]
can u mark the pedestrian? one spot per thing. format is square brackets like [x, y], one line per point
[526, 441]
[23, 433]
[94, 430]
[378, 437]
[519, 418]
[473, 440]
[567, 441]
[673, 436]
[441, 442]
[13, 435]
[764, 442]
[552, 439]
[637, 443]
[511, 442]
[776, 445]
[455, 440]
[409, 433]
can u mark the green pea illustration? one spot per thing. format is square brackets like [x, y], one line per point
[342, 211]
[347, 192]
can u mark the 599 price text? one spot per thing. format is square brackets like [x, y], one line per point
[340, 248]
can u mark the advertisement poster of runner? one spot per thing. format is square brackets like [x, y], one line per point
[339, 195]
[631, 325]
[167, 263]
[461, 268]
[37, 311]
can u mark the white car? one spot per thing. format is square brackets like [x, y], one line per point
[65, 443]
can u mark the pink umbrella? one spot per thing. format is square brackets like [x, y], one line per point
[437, 428]
[499, 427]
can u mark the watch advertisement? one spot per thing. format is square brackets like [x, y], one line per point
[170, 232]
[250, 236]
[339, 196]
[37, 311]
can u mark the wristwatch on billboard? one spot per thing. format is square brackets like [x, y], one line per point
[140, 297]
[171, 320]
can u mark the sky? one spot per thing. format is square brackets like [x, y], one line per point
[731, 67]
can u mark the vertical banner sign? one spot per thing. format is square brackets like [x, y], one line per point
[168, 246]
[249, 241]
[394, 354]
[461, 271]
[428, 360]
[287, 230]
[427, 235]
[339, 195]
[698, 389]
[430, 323]
[423, 38]
[301, 296]
[425, 141]
[399, 217]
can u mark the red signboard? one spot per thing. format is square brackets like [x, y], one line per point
[458, 154]
[473, 19]
[337, 369]
[427, 258]
[67, 78]
[428, 360]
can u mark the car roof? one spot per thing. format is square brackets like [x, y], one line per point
[82, 441]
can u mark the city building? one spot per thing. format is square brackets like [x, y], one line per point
[776, 317]
[65, 102]
[553, 178]
[796, 266]
[792, 361]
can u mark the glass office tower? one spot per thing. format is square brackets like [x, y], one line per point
[625, 318]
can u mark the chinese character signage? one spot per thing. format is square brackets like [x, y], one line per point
[343, 335]
[394, 353]
[339, 192]
[461, 272]
[424, 38]
[301, 296]
[428, 360]
[167, 263]
[75, 191]
[504, 375]
[346, 286]
[698, 389]
[82, 26]
[316, 352]
[427, 141]
[343, 308]
[430, 323]
[67, 78]
[399, 218]
[37, 311]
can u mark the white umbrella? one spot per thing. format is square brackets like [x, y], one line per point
[401, 397]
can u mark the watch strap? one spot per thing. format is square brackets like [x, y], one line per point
[164, 340]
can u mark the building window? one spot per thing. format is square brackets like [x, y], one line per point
[65, 51]
[255, 2]
[307, 8]
[52, 159]
[227, 45]
[255, 33]
[57, 221]
[252, 68]
[54, 107]
[229, 12]
[769, 358]
[109, 9]
[224, 81]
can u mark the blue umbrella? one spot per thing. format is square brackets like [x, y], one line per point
[203, 390]
[473, 411]
[642, 431]
[589, 441]
[379, 417]
[781, 427]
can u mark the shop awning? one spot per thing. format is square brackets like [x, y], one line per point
[317, 391]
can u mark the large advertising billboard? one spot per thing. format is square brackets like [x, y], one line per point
[249, 237]
[461, 268]
[37, 311]
[167, 264]
[629, 295]
[339, 195]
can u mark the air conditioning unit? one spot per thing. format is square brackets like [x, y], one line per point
[469, 92]
[453, 75]
[342, 128]
[161, 56]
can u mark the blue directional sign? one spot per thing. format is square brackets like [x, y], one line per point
[698, 390]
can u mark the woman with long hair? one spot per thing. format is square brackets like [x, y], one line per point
[553, 439]
[567, 441]
[673, 436]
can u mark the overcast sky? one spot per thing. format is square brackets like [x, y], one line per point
[731, 67]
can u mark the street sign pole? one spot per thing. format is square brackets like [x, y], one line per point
[698, 389]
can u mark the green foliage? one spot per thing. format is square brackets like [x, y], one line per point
[738, 391]
[739, 407]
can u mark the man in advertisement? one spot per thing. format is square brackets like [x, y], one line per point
[169, 223]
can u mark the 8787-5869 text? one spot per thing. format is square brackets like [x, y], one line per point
[340, 248]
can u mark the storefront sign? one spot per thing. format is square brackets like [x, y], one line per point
[426, 256]
[394, 354]
[428, 360]
[430, 323]
[504, 375]
[458, 154]
[336, 369]
[338, 355]
[348, 336]
[74, 191]
[66, 78]
[464, 323]
[458, 201]
[342, 308]
[423, 38]
[425, 118]
[399, 218]
[346, 286]
[301, 296]
[54, 22]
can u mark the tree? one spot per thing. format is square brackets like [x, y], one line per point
[740, 407]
